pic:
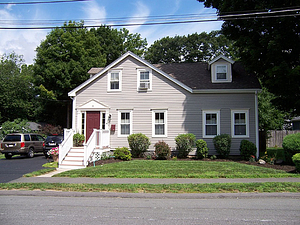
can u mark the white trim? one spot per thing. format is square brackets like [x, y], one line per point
[109, 80]
[130, 122]
[256, 125]
[110, 66]
[204, 112]
[139, 70]
[246, 111]
[226, 91]
[221, 57]
[165, 122]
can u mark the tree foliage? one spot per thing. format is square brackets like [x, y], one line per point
[65, 56]
[18, 125]
[191, 48]
[17, 95]
[268, 46]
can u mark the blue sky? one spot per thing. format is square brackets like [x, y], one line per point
[97, 12]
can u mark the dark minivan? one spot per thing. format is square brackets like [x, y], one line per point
[22, 144]
[52, 141]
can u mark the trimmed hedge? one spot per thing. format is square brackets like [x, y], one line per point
[222, 145]
[247, 149]
[122, 153]
[138, 143]
[184, 144]
[296, 160]
[162, 150]
[202, 149]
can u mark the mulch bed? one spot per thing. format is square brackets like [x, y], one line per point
[287, 168]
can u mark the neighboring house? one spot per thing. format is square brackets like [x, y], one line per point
[161, 101]
[296, 123]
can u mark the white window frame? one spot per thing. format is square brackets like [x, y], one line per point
[109, 81]
[139, 79]
[246, 112]
[165, 112]
[120, 122]
[204, 113]
[226, 68]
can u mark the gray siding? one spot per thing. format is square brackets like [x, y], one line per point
[184, 109]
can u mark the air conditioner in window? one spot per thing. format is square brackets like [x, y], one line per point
[144, 85]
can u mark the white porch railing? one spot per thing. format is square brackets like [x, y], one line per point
[98, 140]
[66, 145]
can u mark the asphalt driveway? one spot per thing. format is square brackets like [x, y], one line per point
[19, 165]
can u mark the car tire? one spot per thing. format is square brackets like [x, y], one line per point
[7, 156]
[30, 153]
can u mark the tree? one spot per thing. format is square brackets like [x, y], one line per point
[17, 95]
[270, 117]
[18, 125]
[65, 56]
[115, 43]
[268, 44]
[192, 48]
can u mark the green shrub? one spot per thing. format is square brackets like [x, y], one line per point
[296, 160]
[184, 144]
[291, 146]
[291, 143]
[78, 139]
[222, 145]
[247, 149]
[138, 143]
[202, 149]
[122, 153]
[162, 150]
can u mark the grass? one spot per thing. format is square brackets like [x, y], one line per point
[39, 172]
[176, 169]
[159, 188]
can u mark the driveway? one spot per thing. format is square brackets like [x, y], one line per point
[19, 165]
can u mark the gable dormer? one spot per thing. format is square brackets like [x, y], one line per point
[221, 69]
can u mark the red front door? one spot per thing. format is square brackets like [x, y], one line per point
[92, 122]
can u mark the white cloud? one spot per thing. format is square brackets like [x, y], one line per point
[22, 42]
[93, 11]
[140, 16]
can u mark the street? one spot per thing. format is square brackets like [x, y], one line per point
[19, 165]
[263, 209]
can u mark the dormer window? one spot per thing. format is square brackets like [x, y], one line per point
[221, 69]
[221, 72]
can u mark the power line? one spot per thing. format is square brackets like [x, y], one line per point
[40, 2]
[158, 20]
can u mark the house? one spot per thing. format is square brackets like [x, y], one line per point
[161, 101]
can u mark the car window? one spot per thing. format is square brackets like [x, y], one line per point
[54, 138]
[9, 138]
[40, 138]
[33, 137]
[26, 137]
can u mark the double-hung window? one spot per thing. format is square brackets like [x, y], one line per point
[159, 123]
[211, 123]
[221, 72]
[115, 80]
[125, 123]
[240, 123]
[144, 79]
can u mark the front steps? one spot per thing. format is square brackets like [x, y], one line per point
[74, 159]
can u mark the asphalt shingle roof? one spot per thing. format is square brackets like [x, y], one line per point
[198, 76]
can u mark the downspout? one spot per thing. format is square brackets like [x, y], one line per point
[256, 124]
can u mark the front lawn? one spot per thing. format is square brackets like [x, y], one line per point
[176, 169]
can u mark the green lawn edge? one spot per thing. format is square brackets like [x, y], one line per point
[159, 188]
[176, 169]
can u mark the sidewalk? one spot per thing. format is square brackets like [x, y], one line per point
[47, 178]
